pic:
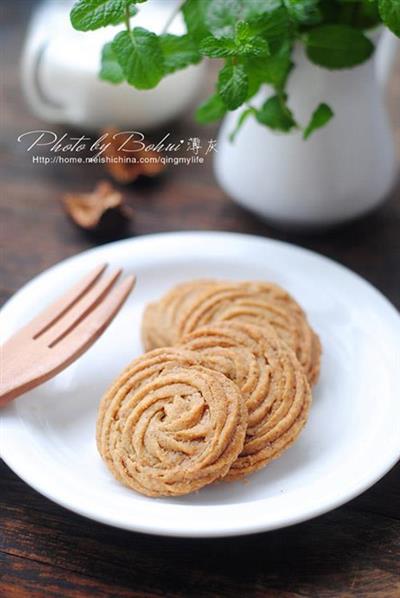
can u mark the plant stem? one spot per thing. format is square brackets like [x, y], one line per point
[172, 17]
[128, 23]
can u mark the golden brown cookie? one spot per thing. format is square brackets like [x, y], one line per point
[261, 304]
[168, 426]
[153, 335]
[160, 323]
[272, 381]
[201, 302]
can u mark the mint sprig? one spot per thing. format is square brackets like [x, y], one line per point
[272, 70]
[242, 43]
[87, 15]
[140, 56]
[254, 38]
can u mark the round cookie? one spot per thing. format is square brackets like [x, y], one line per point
[168, 427]
[160, 318]
[262, 304]
[275, 388]
[201, 302]
[152, 330]
[138, 372]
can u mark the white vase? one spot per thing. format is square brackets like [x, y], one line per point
[342, 171]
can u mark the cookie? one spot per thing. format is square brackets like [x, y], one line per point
[271, 380]
[143, 367]
[201, 302]
[168, 426]
[152, 330]
[262, 304]
[160, 323]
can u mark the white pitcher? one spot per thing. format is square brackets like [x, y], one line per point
[60, 69]
[342, 171]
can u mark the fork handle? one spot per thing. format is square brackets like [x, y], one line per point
[16, 376]
[12, 384]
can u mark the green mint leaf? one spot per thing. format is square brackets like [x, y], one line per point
[178, 52]
[266, 17]
[255, 46]
[362, 14]
[254, 9]
[338, 46]
[221, 17]
[275, 114]
[241, 120]
[254, 70]
[278, 67]
[247, 43]
[390, 14]
[243, 44]
[140, 57]
[217, 47]
[274, 24]
[233, 85]
[211, 110]
[320, 117]
[304, 12]
[194, 16]
[242, 32]
[87, 15]
[273, 70]
[110, 69]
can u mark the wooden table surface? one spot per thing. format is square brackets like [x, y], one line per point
[46, 550]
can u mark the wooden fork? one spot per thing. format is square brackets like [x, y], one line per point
[61, 333]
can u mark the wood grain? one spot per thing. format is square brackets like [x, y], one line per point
[48, 551]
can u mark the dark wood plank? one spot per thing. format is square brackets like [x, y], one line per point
[29, 579]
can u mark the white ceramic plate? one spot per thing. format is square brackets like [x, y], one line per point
[352, 437]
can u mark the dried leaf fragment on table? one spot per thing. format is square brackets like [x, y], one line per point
[102, 210]
[125, 165]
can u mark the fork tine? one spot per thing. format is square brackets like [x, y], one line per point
[80, 310]
[22, 371]
[89, 329]
[56, 310]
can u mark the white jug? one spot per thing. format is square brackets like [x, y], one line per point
[342, 171]
[60, 68]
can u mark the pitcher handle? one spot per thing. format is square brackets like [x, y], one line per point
[33, 55]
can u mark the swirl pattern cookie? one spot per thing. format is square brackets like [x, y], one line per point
[266, 304]
[198, 303]
[161, 319]
[168, 426]
[275, 388]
